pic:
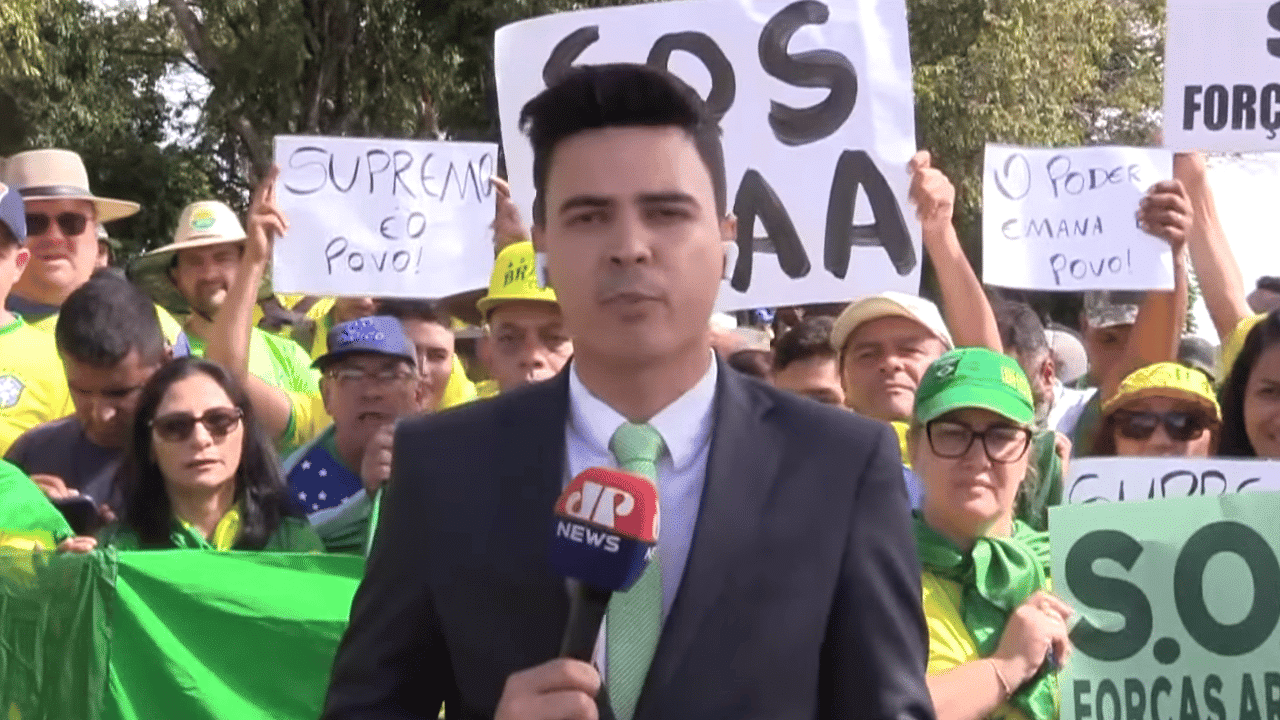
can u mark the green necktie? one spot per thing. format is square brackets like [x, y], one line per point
[635, 617]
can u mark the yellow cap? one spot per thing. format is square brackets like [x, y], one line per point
[515, 277]
[1166, 379]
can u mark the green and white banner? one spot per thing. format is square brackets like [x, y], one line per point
[1177, 605]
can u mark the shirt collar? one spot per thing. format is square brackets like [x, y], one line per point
[596, 422]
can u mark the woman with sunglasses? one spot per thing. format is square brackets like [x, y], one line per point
[200, 474]
[1251, 393]
[996, 634]
[1162, 410]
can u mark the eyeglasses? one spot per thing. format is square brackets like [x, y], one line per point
[1001, 443]
[359, 376]
[178, 426]
[1180, 426]
[70, 223]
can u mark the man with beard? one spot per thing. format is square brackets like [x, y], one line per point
[197, 270]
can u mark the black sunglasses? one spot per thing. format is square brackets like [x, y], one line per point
[178, 426]
[1179, 425]
[70, 223]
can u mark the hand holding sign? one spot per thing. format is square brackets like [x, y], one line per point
[266, 221]
[1166, 213]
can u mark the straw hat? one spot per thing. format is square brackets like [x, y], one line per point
[58, 175]
[202, 224]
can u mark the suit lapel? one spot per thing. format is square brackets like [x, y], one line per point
[741, 469]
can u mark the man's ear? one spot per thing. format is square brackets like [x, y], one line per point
[21, 259]
[1048, 371]
[729, 240]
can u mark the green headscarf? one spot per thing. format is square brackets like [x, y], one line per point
[997, 576]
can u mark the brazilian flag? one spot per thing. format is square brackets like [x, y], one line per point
[170, 634]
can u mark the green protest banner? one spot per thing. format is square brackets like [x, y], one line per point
[1177, 603]
[173, 634]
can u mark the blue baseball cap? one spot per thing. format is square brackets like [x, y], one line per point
[377, 334]
[13, 213]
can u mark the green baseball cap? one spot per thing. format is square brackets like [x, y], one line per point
[975, 378]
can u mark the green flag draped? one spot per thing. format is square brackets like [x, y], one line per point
[184, 633]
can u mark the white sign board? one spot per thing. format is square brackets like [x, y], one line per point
[1222, 75]
[1065, 219]
[370, 217]
[1115, 479]
[816, 107]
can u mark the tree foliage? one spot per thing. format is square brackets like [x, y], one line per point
[19, 48]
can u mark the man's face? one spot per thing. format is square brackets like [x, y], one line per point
[884, 360]
[60, 261]
[204, 275]
[365, 391]
[816, 377]
[105, 398]
[526, 343]
[1104, 347]
[433, 344]
[636, 257]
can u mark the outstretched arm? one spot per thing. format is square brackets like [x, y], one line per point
[964, 302]
[1221, 282]
[228, 341]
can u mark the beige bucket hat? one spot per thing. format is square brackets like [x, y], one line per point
[203, 223]
[52, 174]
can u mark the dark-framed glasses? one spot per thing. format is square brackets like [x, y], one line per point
[178, 426]
[1001, 443]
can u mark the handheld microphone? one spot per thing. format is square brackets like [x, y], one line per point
[606, 526]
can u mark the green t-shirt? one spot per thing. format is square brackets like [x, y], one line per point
[1042, 488]
[283, 364]
[26, 513]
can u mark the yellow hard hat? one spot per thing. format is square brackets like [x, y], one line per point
[1166, 379]
[515, 277]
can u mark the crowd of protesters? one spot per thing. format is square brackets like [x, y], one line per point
[182, 404]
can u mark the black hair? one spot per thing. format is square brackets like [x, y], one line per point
[1235, 437]
[1270, 283]
[1021, 329]
[754, 363]
[810, 338]
[105, 319]
[413, 309]
[260, 489]
[7, 237]
[618, 95]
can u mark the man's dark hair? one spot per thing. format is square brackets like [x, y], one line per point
[103, 320]
[413, 309]
[1270, 283]
[7, 238]
[811, 338]
[618, 95]
[1021, 329]
[754, 363]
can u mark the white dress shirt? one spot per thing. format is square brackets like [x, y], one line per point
[685, 427]
[1068, 405]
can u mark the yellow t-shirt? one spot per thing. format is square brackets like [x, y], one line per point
[168, 325]
[950, 643]
[33, 386]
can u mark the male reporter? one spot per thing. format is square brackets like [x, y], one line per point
[785, 583]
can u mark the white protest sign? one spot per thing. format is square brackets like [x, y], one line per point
[1222, 75]
[1064, 219]
[816, 107]
[1115, 479]
[371, 217]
